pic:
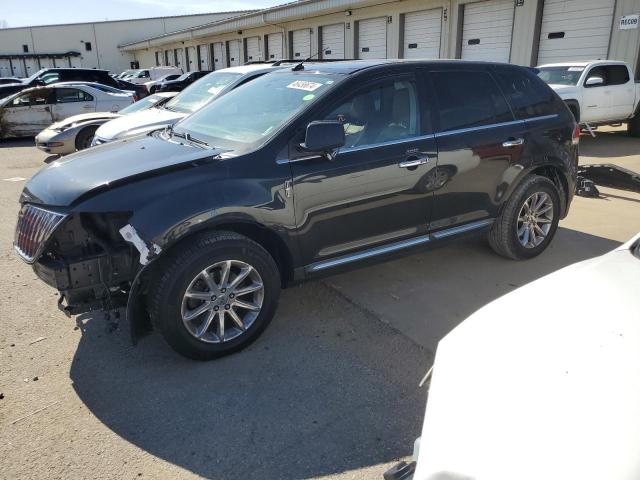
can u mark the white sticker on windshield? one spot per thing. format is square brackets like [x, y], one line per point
[575, 69]
[302, 85]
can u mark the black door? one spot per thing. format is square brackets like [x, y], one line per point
[480, 148]
[377, 188]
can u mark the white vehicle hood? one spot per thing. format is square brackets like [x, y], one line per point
[543, 383]
[138, 122]
[565, 92]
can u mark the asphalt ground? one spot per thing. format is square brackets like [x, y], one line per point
[330, 390]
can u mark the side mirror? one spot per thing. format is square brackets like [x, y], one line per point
[323, 136]
[594, 81]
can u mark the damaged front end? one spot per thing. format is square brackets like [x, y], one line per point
[92, 259]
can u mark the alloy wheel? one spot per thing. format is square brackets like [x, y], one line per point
[222, 301]
[535, 220]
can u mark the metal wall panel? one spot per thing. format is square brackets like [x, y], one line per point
[421, 34]
[486, 30]
[575, 30]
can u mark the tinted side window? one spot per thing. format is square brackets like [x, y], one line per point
[68, 95]
[385, 112]
[617, 74]
[529, 96]
[468, 99]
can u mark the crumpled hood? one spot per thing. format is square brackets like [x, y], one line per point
[138, 122]
[64, 181]
[565, 91]
[83, 117]
[544, 382]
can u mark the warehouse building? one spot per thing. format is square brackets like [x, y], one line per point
[525, 32]
[25, 50]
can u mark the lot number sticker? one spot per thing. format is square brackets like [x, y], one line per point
[628, 22]
[306, 86]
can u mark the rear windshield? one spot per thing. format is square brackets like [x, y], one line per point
[201, 92]
[564, 75]
[146, 102]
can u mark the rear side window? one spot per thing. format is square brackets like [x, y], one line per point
[468, 99]
[69, 95]
[529, 96]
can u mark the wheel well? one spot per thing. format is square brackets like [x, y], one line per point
[556, 176]
[574, 107]
[270, 241]
[89, 128]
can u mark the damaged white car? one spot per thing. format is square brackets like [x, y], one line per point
[26, 113]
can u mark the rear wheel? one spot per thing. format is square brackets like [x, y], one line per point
[528, 221]
[85, 137]
[215, 295]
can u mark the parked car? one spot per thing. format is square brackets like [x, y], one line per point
[26, 113]
[151, 74]
[208, 205]
[186, 102]
[140, 90]
[76, 132]
[125, 74]
[181, 82]
[520, 394]
[48, 76]
[8, 80]
[153, 85]
[598, 92]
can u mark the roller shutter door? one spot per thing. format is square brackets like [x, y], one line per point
[486, 30]
[333, 41]
[422, 32]
[301, 43]
[168, 58]
[179, 54]
[219, 60]
[32, 66]
[372, 38]
[575, 30]
[192, 59]
[253, 49]
[234, 47]
[205, 57]
[274, 45]
[5, 68]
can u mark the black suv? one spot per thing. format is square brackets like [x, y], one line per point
[300, 173]
[182, 82]
[54, 75]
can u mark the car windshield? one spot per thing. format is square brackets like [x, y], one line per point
[249, 115]
[146, 102]
[564, 75]
[198, 93]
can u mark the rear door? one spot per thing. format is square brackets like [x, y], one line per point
[622, 91]
[378, 189]
[474, 130]
[27, 114]
[72, 101]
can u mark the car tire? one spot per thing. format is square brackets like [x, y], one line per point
[182, 285]
[84, 138]
[528, 221]
[633, 126]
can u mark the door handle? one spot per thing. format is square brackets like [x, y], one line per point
[513, 142]
[414, 161]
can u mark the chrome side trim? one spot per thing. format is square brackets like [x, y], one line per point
[368, 253]
[481, 127]
[394, 247]
[386, 144]
[542, 117]
[462, 228]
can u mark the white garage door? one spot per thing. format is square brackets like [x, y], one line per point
[5, 68]
[179, 55]
[333, 41]
[203, 51]
[32, 66]
[18, 69]
[168, 57]
[253, 49]
[422, 34]
[234, 53]
[486, 30]
[575, 30]
[274, 45]
[192, 59]
[219, 60]
[301, 43]
[372, 38]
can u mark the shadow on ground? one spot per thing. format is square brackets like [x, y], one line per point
[328, 388]
[17, 142]
[609, 144]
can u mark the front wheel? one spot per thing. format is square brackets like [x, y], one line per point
[528, 221]
[215, 295]
[85, 137]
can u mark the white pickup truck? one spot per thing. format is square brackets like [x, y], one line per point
[600, 92]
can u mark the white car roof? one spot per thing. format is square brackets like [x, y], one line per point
[582, 64]
[247, 68]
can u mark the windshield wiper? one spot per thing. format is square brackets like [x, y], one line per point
[189, 138]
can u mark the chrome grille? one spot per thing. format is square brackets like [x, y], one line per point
[35, 226]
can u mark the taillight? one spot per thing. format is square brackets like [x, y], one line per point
[575, 137]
